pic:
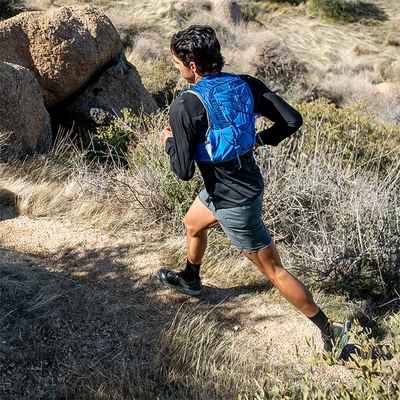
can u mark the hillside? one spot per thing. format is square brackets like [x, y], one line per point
[293, 46]
[83, 315]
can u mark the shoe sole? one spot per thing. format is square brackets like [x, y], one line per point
[343, 340]
[189, 292]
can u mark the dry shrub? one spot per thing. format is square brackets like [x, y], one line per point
[348, 88]
[332, 200]
[280, 71]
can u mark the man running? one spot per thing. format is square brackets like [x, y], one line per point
[212, 125]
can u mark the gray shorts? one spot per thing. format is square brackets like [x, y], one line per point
[243, 225]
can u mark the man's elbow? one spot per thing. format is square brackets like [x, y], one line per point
[184, 176]
[296, 123]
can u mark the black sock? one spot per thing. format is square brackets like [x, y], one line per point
[191, 272]
[321, 320]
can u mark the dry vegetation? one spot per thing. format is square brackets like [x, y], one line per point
[86, 319]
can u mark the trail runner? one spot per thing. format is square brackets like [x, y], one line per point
[212, 125]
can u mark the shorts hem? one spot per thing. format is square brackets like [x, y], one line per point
[256, 251]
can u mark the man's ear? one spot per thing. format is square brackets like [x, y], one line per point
[193, 66]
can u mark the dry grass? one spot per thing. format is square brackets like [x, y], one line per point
[64, 183]
[193, 350]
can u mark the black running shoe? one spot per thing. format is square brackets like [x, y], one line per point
[175, 280]
[338, 338]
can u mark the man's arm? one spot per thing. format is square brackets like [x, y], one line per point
[267, 103]
[286, 119]
[180, 144]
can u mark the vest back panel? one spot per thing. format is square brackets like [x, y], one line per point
[229, 104]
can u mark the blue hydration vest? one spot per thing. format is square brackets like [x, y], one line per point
[229, 104]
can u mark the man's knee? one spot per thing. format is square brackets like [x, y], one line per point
[191, 228]
[186, 222]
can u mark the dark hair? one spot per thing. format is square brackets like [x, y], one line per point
[199, 44]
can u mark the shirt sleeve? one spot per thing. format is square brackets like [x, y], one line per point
[182, 146]
[286, 120]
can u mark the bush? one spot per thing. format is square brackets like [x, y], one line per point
[332, 200]
[374, 372]
[115, 138]
[352, 130]
[10, 8]
[348, 11]
[279, 70]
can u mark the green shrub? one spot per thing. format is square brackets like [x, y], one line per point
[114, 139]
[348, 11]
[353, 130]
[374, 371]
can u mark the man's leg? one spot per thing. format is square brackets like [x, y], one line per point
[197, 220]
[269, 263]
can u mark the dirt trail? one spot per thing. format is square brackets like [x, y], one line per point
[125, 268]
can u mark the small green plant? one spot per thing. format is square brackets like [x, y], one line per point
[114, 137]
[374, 369]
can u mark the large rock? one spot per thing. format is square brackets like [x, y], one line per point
[118, 87]
[22, 112]
[63, 47]
[227, 10]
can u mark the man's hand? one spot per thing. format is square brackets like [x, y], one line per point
[166, 133]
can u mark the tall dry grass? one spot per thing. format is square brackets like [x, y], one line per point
[199, 361]
[57, 184]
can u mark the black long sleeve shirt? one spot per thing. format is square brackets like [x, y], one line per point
[226, 184]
